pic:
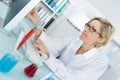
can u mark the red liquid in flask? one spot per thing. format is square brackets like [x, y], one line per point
[31, 70]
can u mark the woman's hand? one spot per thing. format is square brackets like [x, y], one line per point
[40, 47]
[33, 16]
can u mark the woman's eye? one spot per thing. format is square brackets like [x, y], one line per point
[94, 29]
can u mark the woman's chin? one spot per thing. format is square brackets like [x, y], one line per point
[83, 37]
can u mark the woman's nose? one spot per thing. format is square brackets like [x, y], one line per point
[86, 29]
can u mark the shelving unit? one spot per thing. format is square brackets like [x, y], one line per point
[47, 14]
[43, 1]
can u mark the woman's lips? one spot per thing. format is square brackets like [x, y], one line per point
[83, 35]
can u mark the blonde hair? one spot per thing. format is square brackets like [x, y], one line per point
[106, 30]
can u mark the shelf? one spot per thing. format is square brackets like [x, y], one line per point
[55, 12]
[47, 14]
[47, 5]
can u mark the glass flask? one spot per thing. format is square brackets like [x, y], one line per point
[30, 70]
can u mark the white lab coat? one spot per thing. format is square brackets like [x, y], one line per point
[89, 66]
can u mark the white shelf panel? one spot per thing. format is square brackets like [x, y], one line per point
[43, 1]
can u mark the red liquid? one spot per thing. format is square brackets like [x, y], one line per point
[31, 70]
[25, 38]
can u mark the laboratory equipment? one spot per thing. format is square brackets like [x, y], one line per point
[8, 61]
[30, 70]
[10, 58]
[26, 37]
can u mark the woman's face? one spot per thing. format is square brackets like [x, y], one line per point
[91, 33]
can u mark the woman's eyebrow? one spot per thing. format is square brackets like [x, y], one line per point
[91, 25]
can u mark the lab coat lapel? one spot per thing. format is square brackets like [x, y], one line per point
[78, 44]
[79, 61]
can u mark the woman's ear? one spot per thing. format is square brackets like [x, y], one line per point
[101, 40]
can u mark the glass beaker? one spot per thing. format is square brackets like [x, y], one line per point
[8, 61]
[30, 70]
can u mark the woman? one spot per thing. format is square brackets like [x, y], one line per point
[79, 58]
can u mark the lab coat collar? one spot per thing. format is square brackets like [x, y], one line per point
[78, 44]
[91, 53]
[87, 55]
